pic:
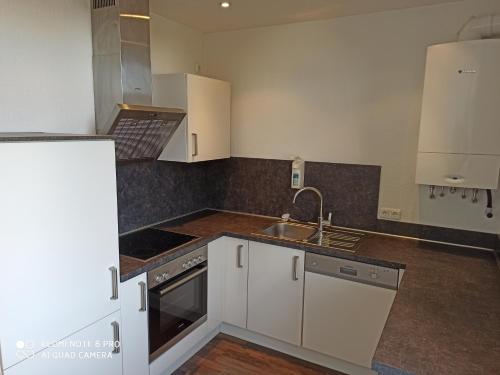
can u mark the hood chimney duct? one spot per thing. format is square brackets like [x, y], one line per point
[122, 81]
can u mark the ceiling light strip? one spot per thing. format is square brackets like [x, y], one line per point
[136, 16]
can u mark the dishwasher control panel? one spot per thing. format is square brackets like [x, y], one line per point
[351, 270]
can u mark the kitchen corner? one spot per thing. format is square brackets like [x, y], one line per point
[248, 187]
[439, 308]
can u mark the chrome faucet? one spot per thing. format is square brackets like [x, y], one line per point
[318, 193]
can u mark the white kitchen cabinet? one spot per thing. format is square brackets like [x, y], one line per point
[275, 291]
[89, 351]
[205, 132]
[344, 319]
[216, 265]
[235, 282]
[227, 282]
[59, 242]
[135, 340]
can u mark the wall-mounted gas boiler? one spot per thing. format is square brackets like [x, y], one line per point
[459, 143]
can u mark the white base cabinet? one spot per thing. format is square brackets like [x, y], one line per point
[135, 340]
[256, 292]
[216, 265]
[89, 351]
[227, 282]
[235, 295]
[275, 291]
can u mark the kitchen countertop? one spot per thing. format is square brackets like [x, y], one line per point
[446, 315]
[47, 137]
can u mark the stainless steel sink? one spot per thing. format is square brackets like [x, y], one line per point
[290, 231]
[330, 237]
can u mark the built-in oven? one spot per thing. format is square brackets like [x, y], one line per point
[177, 300]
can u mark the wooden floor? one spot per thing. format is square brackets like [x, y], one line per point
[232, 356]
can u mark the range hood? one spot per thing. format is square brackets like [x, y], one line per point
[122, 81]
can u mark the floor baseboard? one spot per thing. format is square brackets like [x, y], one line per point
[295, 351]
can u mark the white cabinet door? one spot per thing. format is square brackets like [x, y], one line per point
[89, 351]
[216, 265]
[275, 291]
[209, 102]
[227, 282]
[170, 90]
[135, 340]
[205, 132]
[344, 319]
[235, 282]
[59, 239]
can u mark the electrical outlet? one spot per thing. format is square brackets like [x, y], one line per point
[390, 213]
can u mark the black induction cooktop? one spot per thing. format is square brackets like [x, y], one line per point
[148, 243]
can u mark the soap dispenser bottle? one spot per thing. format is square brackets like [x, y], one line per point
[298, 173]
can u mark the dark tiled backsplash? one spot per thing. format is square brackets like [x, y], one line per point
[262, 186]
[428, 232]
[151, 192]
[156, 191]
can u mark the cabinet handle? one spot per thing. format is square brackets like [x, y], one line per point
[295, 263]
[195, 144]
[116, 337]
[114, 283]
[239, 264]
[142, 286]
[183, 281]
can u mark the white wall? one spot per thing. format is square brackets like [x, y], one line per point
[346, 90]
[175, 48]
[46, 66]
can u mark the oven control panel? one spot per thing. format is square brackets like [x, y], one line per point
[177, 266]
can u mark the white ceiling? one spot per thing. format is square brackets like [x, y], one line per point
[208, 16]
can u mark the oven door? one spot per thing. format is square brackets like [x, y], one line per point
[176, 308]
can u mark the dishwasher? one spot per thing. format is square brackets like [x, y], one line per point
[346, 304]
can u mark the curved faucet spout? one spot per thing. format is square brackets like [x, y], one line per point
[310, 189]
[318, 193]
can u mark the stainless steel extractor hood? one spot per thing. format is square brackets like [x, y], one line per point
[122, 81]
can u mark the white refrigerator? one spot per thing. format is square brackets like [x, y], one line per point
[59, 257]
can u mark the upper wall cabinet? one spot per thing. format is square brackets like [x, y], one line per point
[205, 132]
[460, 128]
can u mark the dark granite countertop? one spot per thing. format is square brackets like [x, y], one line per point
[445, 318]
[47, 137]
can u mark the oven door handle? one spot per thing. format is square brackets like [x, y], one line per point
[183, 281]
